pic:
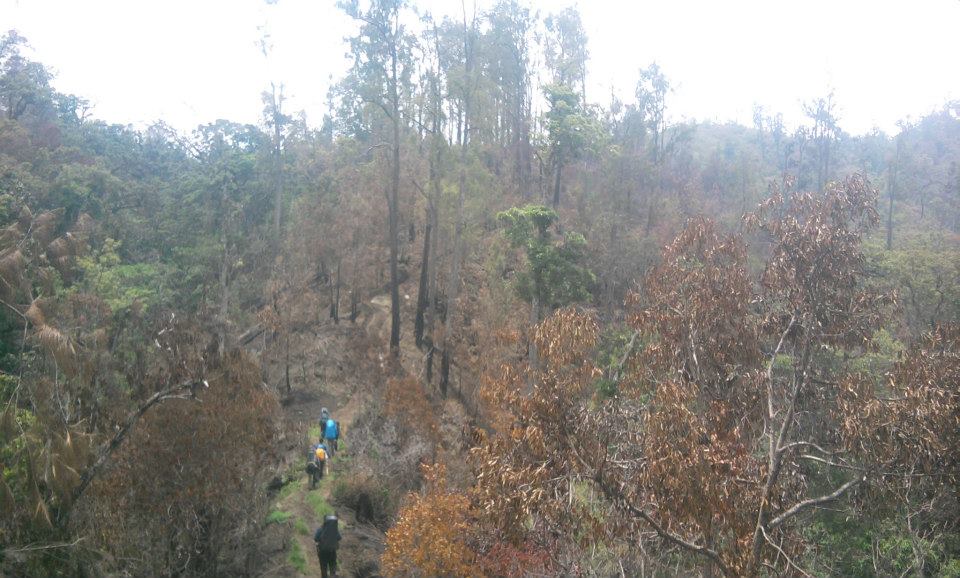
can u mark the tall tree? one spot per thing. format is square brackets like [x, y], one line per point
[652, 90]
[453, 295]
[381, 71]
[572, 132]
[822, 111]
[277, 120]
[555, 274]
[893, 169]
[506, 45]
[423, 318]
[566, 50]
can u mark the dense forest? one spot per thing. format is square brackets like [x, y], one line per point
[565, 338]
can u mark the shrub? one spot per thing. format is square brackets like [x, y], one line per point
[371, 501]
[278, 517]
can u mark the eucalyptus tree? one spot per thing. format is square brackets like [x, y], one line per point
[565, 49]
[572, 131]
[380, 76]
[505, 47]
[466, 96]
[822, 111]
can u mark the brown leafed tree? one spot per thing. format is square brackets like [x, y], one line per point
[431, 535]
[734, 419]
[185, 494]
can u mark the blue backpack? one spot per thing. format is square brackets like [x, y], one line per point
[332, 431]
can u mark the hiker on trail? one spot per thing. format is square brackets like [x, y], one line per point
[315, 464]
[324, 416]
[327, 539]
[331, 433]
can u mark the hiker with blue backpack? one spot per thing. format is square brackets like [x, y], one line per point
[331, 434]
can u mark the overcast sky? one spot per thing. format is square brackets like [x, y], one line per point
[194, 61]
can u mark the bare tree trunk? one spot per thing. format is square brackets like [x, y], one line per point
[224, 305]
[335, 302]
[454, 291]
[432, 289]
[533, 357]
[286, 360]
[892, 188]
[278, 161]
[394, 208]
[423, 295]
[556, 185]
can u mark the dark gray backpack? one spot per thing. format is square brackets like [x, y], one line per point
[329, 534]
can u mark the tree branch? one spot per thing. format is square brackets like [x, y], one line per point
[784, 554]
[106, 450]
[807, 504]
[39, 546]
[626, 355]
[617, 497]
[831, 463]
[773, 358]
[792, 445]
[15, 310]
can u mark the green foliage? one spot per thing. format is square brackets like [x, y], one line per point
[616, 346]
[926, 275]
[571, 131]
[82, 188]
[301, 527]
[122, 285]
[527, 224]
[555, 275]
[14, 452]
[862, 547]
[950, 569]
[278, 517]
[290, 488]
[319, 503]
[8, 204]
[296, 557]
[8, 384]
[883, 352]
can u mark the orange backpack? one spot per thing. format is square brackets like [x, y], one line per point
[321, 454]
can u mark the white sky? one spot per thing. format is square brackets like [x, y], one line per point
[189, 62]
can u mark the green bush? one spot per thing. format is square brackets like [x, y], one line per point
[278, 517]
[319, 504]
[296, 557]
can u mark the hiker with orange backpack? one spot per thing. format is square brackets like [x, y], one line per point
[316, 463]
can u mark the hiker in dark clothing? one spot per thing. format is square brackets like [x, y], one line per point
[324, 416]
[327, 538]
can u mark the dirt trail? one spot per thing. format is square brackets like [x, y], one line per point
[328, 371]
[304, 503]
